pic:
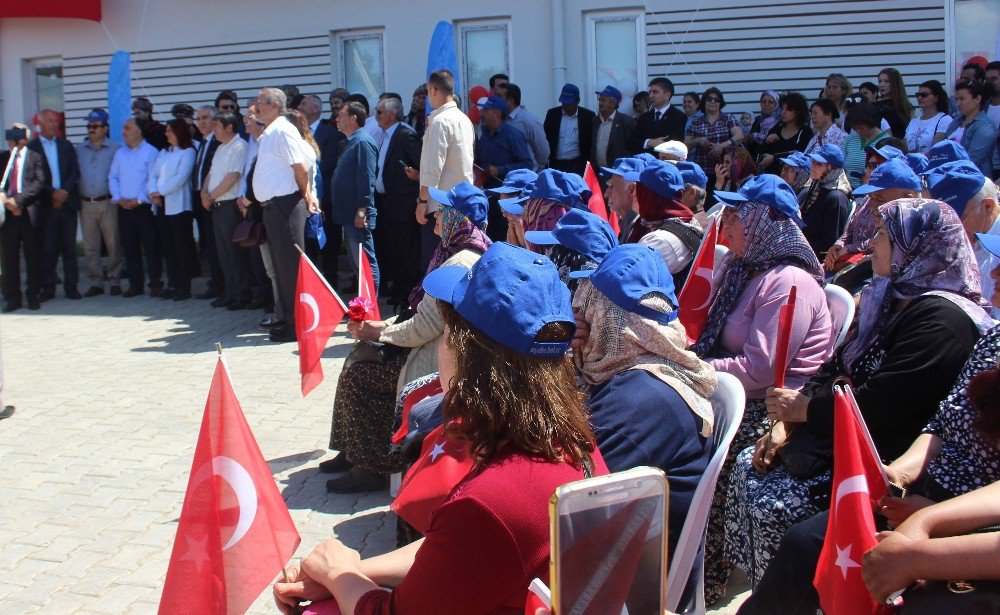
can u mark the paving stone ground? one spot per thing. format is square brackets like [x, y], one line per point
[94, 464]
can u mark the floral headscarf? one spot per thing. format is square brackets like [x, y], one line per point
[767, 122]
[931, 254]
[457, 233]
[541, 215]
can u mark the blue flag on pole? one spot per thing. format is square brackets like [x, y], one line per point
[119, 94]
[441, 54]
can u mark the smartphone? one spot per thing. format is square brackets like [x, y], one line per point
[403, 164]
[609, 544]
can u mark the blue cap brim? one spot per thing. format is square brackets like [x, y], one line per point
[541, 238]
[791, 163]
[511, 206]
[443, 281]
[585, 273]
[818, 158]
[865, 189]
[607, 171]
[990, 242]
[729, 198]
[440, 196]
[503, 190]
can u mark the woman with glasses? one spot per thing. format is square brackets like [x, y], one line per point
[930, 127]
[708, 137]
[791, 134]
[892, 103]
[973, 129]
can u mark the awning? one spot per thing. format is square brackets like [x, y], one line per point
[75, 9]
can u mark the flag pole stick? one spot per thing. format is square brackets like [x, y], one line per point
[218, 348]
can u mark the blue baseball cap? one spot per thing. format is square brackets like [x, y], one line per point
[943, 152]
[567, 189]
[893, 173]
[625, 165]
[98, 115]
[886, 151]
[990, 242]
[646, 157]
[692, 173]
[955, 183]
[917, 162]
[509, 294]
[570, 94]
[661, 177]
[580, 231]
[515, 181]
[494, 102]
[773, 192]
[829, 154]
[512, 206]
[611, 92]
[729, 199]
[798, 160]
[466, 198]
[630, 272]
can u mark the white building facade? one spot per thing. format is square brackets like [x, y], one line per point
[189, 50]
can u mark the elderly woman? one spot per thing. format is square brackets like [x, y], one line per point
[826, 204]
[973, 129]
[508, 324]
[838, 91]
[707, 137]
[367, 390]
[824, 115]
[790, 134]
[768, 256]
[770, 116]
[552, 195]
[932, 124]
[795, 170]
[919, 321]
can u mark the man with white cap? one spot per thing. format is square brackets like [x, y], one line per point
[671, 151]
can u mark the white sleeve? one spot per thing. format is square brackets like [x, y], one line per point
[670, 248]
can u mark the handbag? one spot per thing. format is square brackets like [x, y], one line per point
[371, 352]
[249, 234]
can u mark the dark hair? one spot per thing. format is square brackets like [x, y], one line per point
[182, 132]
[641, 96]
[385, 95]
[228, 118]
[980, 72]
[664, 83]
[796, 103]
[443, 79]
[360, 99]
[994, 65]
[712, 90]
[694, 95]
[500, 394]
[513, 93]
[974, 89]
[868, 85]
[984, 393]
[864, 113]
[227, 95]
[827, 106]
[937, 90]
[355, 109]
[493, 79]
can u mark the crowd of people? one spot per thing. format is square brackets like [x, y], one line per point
[553, 335]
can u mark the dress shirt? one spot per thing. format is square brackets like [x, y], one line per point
[130, 172]
[447, 151]
[251, 158]
[279, 148]
[51, 150]
[353, 183]
[229, 158]
[533, 130]
[987, 263]
[171, 178]
[200, 160]
[371, 125]
[603, 136]
[658, 115]
[383, 150]
[95, 163]
[7, 181]
[314, 125]
[569, 137]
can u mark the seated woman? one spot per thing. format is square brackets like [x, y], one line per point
[516, 184]
[770, 116]
[508, 324]
[366, 391]
[735, 168]
[824, 116]
[826, 204]
[769, 255]
[552, 195]
[579, 241]
[795, 170]
[791, 134]
[919, 320]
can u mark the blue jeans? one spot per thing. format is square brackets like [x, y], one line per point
[354, 237]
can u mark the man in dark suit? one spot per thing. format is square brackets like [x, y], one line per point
[21, 187]
[328, 138]
[397, 233]
[611, 130]
[60, 203]
[569, 129]
[204, 119]
[661, 123]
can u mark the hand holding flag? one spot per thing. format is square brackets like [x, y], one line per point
[317, 314]
[696, 296]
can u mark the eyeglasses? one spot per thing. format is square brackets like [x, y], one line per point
[94, 126]
[713, 99]
[227, 107]
[923, 94]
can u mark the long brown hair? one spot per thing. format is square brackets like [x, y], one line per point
[499, 394]
[900, 103]
[298, 119]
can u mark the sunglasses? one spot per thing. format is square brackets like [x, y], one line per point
[712, 99]
[227, 107]
[94, 126]
[923, 94]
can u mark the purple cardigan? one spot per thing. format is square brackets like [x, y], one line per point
[751, 330]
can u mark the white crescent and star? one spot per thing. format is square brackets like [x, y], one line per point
[844, 561]
[242, 485]
[437, 451]
[853, 484]
[309, 300]
[705, 274]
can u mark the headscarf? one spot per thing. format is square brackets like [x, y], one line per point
[621, 340]
[931, 254]
[767, 122]
[772, 239]
[834, 179]
[654, 210]
[861, 228]
[541, 215]
[457, 233]
[567, 260]
[741, 168]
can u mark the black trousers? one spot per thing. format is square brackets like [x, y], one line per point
[496, 223]
[285, 221]
[398, 250]
[177, 244]
[234, 259]
[18, 234]
[140, 239]
[59, 232]
[429, 241]
[206, 243]
[576, 165]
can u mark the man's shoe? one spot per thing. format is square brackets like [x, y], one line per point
[211, 293]
[34, 304]
[283, 333]
[116, 291]
[131, 292]
[335, 465]
[220, 302]
[10, 306]
[154, 291]
[167, 293]
[357, 481]
[270, 323]
[45, 295]
[93, 291]
[236, 306]
[257, 304]
[182, 296]
[72, 293]
[7, 412]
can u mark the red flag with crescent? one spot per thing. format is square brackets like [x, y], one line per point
[235, 533]
[596, 204]
[318, 311]
[366, 285]
[696, 296]
[858, 481]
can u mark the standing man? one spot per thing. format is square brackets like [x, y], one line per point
[281, 185]
[445, 156]
[497, 82]
[417, 117]
[218, 196]
[153, 132]
[328, 139]
[611, 130]
[353, 186]
[227, 100]
[131, 168]
[569, 129]
[60, 200]
[501, 148]
[662, 122]
[205, 121]
[529, 125]
[397, 236]
[98, 214]
[21, 188]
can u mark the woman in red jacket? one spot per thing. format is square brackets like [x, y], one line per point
[508, 323]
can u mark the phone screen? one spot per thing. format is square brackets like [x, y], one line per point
[612, 557]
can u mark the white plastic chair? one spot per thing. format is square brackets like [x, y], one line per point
[841, 305]
[727, 406]
[720, 253]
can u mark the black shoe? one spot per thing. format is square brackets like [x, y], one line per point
[357, 481]
[7, 412]
[270, 323]
[10, 306]
[116, 291]
[236, 306]
[284, 333]
[34, 304]
[335, 465]
[155, 290]
[211, 293]
[72, 293]
[131, 292]
[93, 291]
[220, 302]
[167, 293]
[45, 295]
[184, 296]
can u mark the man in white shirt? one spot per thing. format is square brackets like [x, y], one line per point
[569, 129]
[281, 185]
[529, 125]
[222, 187]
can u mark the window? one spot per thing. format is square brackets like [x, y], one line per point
[45, 85]
[614, 53]
[976, 33]
[485, 51]
[361, 63]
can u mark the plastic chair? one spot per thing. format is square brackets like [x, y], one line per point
[720, 253]
[727, 406]
[841, 305]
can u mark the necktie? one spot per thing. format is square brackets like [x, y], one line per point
[656, 116]
[198, 164]
[14, 185]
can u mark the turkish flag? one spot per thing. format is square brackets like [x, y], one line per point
[235, 533]
[696, 296]
[418, 394]
[786, 316]
[366, 285]
[596, 204]
[443, 463]
[317, 314]
[858, 481]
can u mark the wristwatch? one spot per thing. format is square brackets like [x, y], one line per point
[421, 200]
[362, 213]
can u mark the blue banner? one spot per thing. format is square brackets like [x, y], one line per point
[441, 54]
[119, 94]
